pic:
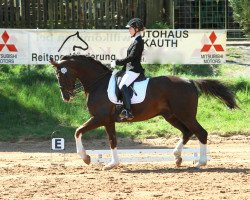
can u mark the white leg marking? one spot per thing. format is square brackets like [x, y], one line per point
[79, 147]
[203, 153]
[203, 156]
[178, 149]
[114, 161]
[115, 158]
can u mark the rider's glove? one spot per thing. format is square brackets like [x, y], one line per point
[112, 63]
[115, 72]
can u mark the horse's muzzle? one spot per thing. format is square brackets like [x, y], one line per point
[66, 96]
[66, 100]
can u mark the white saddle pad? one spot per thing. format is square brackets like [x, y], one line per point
[139, 87]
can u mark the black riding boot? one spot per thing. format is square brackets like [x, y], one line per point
[126, 112]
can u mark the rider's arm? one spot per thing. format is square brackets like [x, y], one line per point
[134, 53]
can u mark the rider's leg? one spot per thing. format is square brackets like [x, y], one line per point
[127, 79]
[126, 113]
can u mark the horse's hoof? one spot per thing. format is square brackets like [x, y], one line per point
[110, 166]
[200, 164]
[87, 160]
[178, 161]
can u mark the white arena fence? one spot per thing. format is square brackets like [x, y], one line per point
[144, 155]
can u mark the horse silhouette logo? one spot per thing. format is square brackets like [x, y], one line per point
[84, 48]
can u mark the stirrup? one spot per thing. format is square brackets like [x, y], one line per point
[125, 114]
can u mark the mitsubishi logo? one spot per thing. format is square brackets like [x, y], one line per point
[207, 47]
[11, 47]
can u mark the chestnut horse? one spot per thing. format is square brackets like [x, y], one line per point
[174, 98]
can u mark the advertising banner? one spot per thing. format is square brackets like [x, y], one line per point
[162, 46]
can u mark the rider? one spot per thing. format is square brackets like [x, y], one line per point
[131, 64]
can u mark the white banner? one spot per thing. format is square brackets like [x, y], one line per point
[165, 46]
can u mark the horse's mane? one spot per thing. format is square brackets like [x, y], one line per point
[84, 58]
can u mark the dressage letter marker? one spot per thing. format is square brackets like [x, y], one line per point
[57, 143]
[57, 149]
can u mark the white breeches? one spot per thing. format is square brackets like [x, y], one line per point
[128, 78]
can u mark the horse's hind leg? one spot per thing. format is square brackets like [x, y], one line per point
[186, 136]
[110, 129]
[201, 134]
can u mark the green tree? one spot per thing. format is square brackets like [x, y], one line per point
[241, 10]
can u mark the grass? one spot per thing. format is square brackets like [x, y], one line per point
[31, 107]
[218, 119]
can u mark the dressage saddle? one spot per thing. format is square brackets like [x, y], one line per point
[118, 78]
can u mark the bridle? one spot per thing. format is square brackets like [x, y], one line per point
[63, 85]
[78, 85]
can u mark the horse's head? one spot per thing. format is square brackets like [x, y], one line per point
[66, 78]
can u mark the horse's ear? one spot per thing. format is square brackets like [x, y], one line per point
[54, 63]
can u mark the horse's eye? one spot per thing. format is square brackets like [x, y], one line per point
[64, 70]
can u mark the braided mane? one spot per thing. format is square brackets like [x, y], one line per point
[85, 58]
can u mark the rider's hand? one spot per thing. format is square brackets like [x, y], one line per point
[115, 72]
[112, 64]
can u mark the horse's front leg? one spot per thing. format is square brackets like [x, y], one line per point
[110, 130]
[92, 123]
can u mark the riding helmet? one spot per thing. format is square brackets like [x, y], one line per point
[136, 23]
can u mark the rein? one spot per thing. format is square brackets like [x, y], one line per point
[90, 87]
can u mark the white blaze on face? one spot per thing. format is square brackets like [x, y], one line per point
[62, 96]
[64, 70]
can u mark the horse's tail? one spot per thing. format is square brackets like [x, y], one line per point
[216, 89]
